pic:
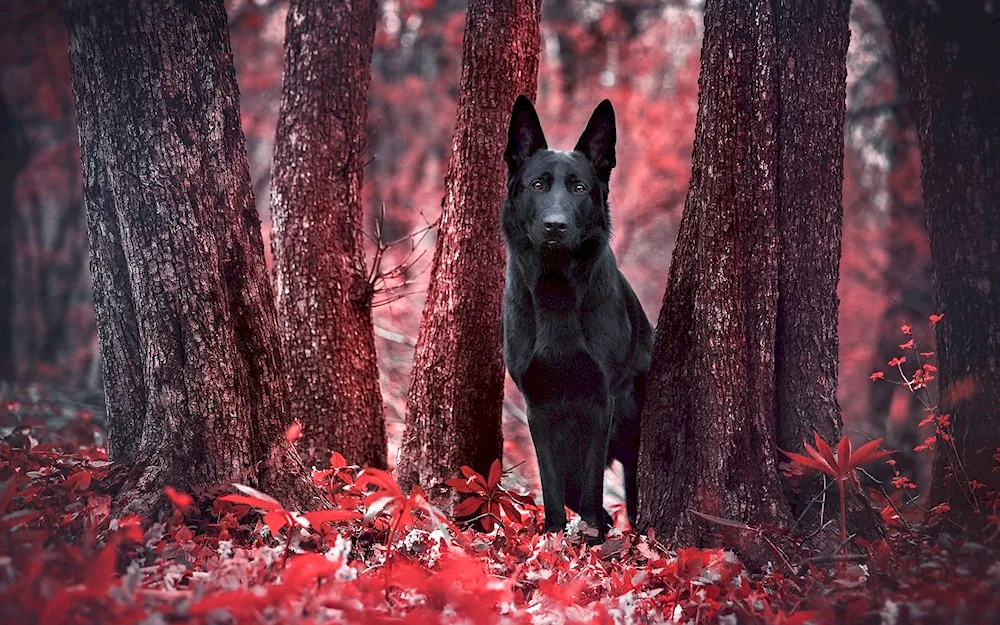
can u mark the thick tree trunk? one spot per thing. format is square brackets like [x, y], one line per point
[324, 297]
[948, 54]
[708, 436]
[746, 350]
[13, 158]
[195, 385]
[811, 64]
[456, 390]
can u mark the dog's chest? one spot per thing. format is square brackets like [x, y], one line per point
[554, 319]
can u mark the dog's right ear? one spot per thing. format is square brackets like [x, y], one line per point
[524, 137]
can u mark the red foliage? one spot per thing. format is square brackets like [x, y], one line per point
[380, 555]
[488, 498]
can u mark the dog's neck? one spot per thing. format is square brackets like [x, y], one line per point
[549, 266]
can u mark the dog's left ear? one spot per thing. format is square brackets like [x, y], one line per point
[597, 142]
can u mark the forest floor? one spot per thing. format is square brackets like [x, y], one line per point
[382, 556]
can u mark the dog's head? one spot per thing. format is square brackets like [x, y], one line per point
[557, 201]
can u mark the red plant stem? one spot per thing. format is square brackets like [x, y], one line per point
[843, 515]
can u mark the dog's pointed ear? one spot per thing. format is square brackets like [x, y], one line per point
[597, 142]
[524, 137]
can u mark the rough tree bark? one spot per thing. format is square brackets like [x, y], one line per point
[324, 295]
[13, 158]
[811, 40]
[194, 379]
[746, 351]
[947, 54]
[456, 390]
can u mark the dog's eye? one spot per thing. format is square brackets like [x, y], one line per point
[537, 185]
[579, 188]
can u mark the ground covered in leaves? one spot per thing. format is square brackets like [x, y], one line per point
[383, 556]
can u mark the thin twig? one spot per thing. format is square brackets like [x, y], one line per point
[820, 495]
[830, 559]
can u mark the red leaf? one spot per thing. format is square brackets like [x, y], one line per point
[337, 461]
[304, 569]
[816, 463]
[380, 479]
[469, 506]
[869, 452]
[7, 493]
[18, 518]
[294, 431]
[275, 520]
[878, 375]
[79, 480]
[130, 527]
[843, 452]
[512, 513]
[496, 472]
[473, 477]
[935, 318]
[236, 602]
[101, 570]
[181, 500]
[526, 500]
[860, 457]
[818, 457]
[824, 449]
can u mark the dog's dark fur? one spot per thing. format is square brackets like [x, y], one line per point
[576, 340]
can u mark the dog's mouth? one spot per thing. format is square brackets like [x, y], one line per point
[554, 247]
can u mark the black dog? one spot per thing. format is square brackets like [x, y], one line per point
[576, 340]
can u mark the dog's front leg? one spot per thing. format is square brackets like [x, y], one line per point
[569, 420]
[594, 421]
[552, 464]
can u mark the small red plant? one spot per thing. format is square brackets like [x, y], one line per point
[276, 516]
[389, 496]
[488, 497]
[839, 466]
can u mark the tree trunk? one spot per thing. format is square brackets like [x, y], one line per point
[708, 434]
[13, 158]
[811, 40]
[456, 390]
[324, 296]
[745, 353]
[195, 386]
[947, 54]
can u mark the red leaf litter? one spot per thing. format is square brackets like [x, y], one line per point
[384, 556]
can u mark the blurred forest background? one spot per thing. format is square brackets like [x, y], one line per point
[642, 54]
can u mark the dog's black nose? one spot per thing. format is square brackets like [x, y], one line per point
[555, 225]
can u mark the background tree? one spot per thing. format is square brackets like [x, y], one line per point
[194, 380]
[323, 289]
[947, 56]
[746, 349]
[55, 338]
[13, 158]
[456, 388]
